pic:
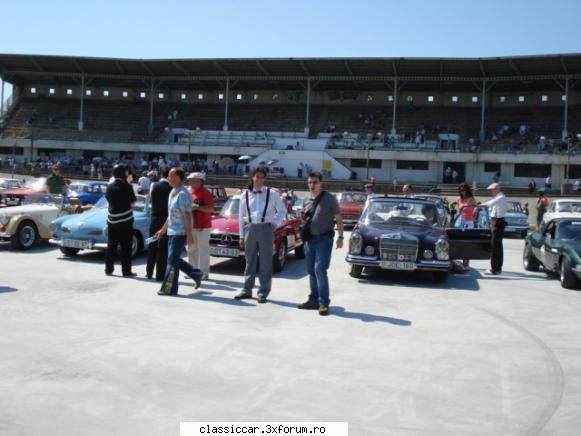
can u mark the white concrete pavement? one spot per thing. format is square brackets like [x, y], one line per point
[86, 354]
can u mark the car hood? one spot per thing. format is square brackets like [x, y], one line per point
[376, 231]
[95, 219]
[18, 191]
[29, 209]
[225, 224]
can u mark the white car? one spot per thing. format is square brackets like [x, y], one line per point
[10, 184]
[563, 207]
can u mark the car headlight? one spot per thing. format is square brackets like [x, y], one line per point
[4, 219]
[356, 243]
[442, 249]
[428, 254]
[369, 250]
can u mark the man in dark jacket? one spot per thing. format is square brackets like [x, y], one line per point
[157, 254]
[121, 197]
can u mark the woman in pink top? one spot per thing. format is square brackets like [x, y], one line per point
[465, 203]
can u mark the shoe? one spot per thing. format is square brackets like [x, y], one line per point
[166, 293]
[323, 310]
[206, 277]
[308, 305]
[148, 276]
[108, 273]
[489, 272]
[159, 279]
[262, 299]
[197, 280]
[242, 295]
[131, 274]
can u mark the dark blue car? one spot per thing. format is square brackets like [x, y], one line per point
[87, 192]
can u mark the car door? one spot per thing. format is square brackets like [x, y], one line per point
[470, 238]
[550, 248]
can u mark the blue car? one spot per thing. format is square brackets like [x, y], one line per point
[88, 231]
[87, 192]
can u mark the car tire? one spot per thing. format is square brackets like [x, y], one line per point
[300, 251]
[25, 236]
[69, 251]
[441, 276]
[529, 261]
[279, 258]
[356, 271]
[136, 244]
[566, 276]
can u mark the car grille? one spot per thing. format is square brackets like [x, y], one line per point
[398, 247]
[225, 239]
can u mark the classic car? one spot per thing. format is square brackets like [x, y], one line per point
[16, 196]
[562, 207]
[24, 225]
[408, 234]
[351, 204]
[10, 184]
[88, 231]
[225, 239]
[87, 192]
[517, 222]
[556, 246]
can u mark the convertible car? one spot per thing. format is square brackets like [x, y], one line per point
[557, 248]
[89, 230]
[24, 225]
[408, 234]
[225, 240]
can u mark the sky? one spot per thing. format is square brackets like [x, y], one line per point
[149, 29]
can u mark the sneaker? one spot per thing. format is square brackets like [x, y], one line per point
[308, 305]
[323, 310]
[242, 295]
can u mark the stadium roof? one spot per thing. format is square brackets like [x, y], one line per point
[526, 73]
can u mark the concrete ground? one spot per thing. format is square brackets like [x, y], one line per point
[86, 354]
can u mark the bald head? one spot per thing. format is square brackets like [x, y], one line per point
[494, 188]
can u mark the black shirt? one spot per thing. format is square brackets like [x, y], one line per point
[159, 197]
[120, 196]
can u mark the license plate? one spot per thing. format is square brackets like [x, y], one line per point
[223, 251]
[406, 266]
[75, 243]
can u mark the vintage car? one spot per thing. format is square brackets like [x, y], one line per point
[562, 207]
[556, 246]
[24, 225]
[16, 196]
[408, 234]
[87, 192]
[10, 184]
[517, 222]
[351, 204]
[88, 231]
[225, 239]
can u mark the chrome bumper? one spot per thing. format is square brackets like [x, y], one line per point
[421, 265]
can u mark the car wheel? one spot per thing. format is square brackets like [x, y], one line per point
[25, 236]
[68, 251]
[356, 271]
[300, 251]
[567, 277]
[279, 258]
[441, 276]
[529, 261]
[136, 244]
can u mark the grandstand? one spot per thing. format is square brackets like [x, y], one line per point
[400, 118]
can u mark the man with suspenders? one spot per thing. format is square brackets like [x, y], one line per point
[261, 212]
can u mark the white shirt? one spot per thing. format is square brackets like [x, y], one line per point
[275, 212]
[498, 206]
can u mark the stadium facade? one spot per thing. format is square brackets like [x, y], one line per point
[512, 118]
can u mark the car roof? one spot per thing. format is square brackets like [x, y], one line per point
[564, 200]
[400, 198]
[568, 217]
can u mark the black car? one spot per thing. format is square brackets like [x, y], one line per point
[409, 234]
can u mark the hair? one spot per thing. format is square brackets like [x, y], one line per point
[315, 175]
[179, 171]
[408, 186]
[165, 172]
[253, 173]
[465, 186]
[541, 194]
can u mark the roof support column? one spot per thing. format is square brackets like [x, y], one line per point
[227, 98]
[308, 106]
[482, 113]
[566, 109]
[393, 130]
[150, 126]
[2, 99]
[82, 111]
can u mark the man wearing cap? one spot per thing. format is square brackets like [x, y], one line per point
[498, 207]
[202, 208]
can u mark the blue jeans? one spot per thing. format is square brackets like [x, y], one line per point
[176, 244]
[318, 254]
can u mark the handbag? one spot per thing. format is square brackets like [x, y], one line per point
[306, 233]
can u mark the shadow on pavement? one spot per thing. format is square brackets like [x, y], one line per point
[7, 289]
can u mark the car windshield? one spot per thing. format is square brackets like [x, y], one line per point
[9, 184]
[231, 207]
[569, 206]
[353, 198]
[569, 230]
[514, 206]
[401, 213]
[138, 206]
[79, 187]
[36, 184]
[43, 198]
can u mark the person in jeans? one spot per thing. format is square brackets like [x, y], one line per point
[322, 209]
[178, 227]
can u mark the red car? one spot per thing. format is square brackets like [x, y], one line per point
[14, 197]
[225, 239]
[351, 204]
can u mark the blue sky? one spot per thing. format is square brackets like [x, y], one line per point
[297, 28]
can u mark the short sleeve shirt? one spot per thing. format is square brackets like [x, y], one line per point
[55, 184]
[179, 203]
[203, 197]
[324, 219]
